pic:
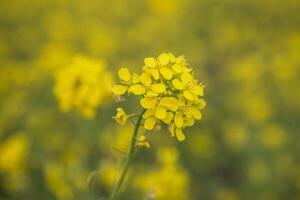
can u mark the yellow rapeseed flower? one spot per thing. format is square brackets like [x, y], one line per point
[142, 142]
[168, 180]
[169, 93]
[121, 116]
[83, 85]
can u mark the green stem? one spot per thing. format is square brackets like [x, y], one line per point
[129, 159]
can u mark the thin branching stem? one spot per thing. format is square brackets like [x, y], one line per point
[129, 160]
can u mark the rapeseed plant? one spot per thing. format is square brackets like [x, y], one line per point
[169, 94]
[78, 85]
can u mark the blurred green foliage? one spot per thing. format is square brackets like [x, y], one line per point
[246, 52]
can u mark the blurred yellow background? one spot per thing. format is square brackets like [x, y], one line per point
[55, 146]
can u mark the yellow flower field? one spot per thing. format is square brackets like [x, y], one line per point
[149, 100]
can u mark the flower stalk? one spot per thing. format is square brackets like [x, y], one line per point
[129, 160]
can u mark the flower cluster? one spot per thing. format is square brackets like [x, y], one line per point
[167, 180]
[83, 85]
[169, 92]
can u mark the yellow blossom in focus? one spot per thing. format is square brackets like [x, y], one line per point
[169, 93]
[121, 116]
[83, 85]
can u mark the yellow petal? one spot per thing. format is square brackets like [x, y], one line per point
[186, 77]
[120, 111]
[181, 101]
[170, 103]
[168, 118]
[187, 111]
[181, 60]
[179, 134]
[198, 90]
[121, 116]
[147, 145]
[151, 94]
[172, 57]
[172, 129]
[188, 95]
[135, 78]
[149, 123]
[146, 79]
[142, 138]
[124, 74]
[189, 121]
[150, 62]
[177, 84]
[154, 73]
[148, 113]
[160, 112]
[166, 73]
[177, 68]
[196, 113]
[178, 120]
[158, 88]
[201, 103]
[119, 89]
[137, 89]
[148, 102]
[163, 59]
[142, 142]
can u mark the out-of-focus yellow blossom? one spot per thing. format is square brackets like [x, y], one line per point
[272, 137]
[142, 142]
[168, 156]
[296, 175]
[57, 182]
[166, 6]
[202, 144]
[83, 85]
[169, 92]
[119, 141]
[169, 181]
[13, 153]
[121, 116]
[13, 157]
[227, 194]
[235, 135]
[258, 172]
[108, 174]
[65, 174]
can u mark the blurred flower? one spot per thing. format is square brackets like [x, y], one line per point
[13, 159]
[203, 144]
[235, 135]
[169, 181]
[108, 174]
[167, 6]
[272, 137]
[83, 85]
[258, 172]
[56, 179]
[169, 92]
[13, 153]
[227, 194]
